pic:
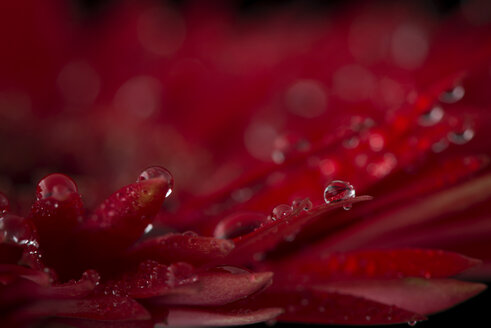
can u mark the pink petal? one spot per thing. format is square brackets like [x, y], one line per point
[221, 287]
[215, 317]
[186, 247]
[413, 294]
[96, 308]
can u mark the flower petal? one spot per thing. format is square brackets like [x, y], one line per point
[319, 306]
[96, 308]
[373, 264]
[181, 316]
[122, 218]
[220, 288]
[186, 247]
[413, 294]
[270, 234]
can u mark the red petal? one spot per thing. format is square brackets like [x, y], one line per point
[81, 323]
[413, 294]
[96, 308]
[326, 307]
[390, 226]
[376, 264]
[10, 271]
[269, 235]
[185, 247]
[219, 288]
[216, 317]
[122, 218]
[154, 279]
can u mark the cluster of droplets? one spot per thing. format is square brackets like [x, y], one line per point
[434, 115]
[338, 191]
[283, 210]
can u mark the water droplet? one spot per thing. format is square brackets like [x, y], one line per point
[439, 146]
[57, 186]
[461, 137]
[158, 172]
[148, 228]
[338, 191]
[239, 224]
[4, 203]
[16, 230]
[453, 95]
[302, 204]
[431, 117]
[281, 211]
[368, 318]
[412, 323]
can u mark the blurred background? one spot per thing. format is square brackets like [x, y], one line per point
[99, 90]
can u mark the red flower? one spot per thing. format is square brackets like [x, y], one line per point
[263, 121]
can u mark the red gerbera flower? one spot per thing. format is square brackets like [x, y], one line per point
[273, 125]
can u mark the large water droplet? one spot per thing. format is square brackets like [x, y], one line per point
[16, 230]
[4, 203]
[281, 211]
[431, 117]
[338, 191]
[158, 172]
[239, 224]
[57, 186]
[412, 323]
[453, 95]
[461, 137]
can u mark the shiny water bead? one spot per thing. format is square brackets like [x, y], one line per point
[302, 204]
[239, 224]
[338, 191]
[57, 186]
[158, 172]
[4, 203]
[281, 211]
[16, 230]
[461, 137]
[432, 116]
[412, 323]
[453, 95]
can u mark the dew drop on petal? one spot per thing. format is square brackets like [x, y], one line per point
[431, 117]
[302, 204]
[16, 230]
[412, 323]
[158, 172]
[281, 211]
[461, 137]
[4, 203]
[57, 186]
[239, 224]
[453, 95]
[338, 191]
[148, 229]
